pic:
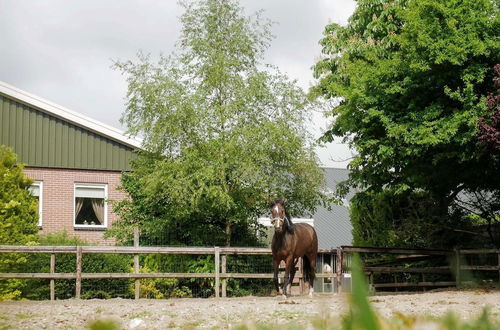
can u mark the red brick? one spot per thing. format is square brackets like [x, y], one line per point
[58, 199]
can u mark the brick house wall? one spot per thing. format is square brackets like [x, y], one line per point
[58, 200]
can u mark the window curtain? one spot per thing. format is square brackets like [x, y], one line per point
[98, 207]
[78, 206]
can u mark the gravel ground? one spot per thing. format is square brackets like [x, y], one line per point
[229, 312]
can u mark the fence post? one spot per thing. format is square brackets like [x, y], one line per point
[136, 264]
[370, 280]
[498, 255]
[78, 272]
[217, 272]
[457, 268]
[223, 271]
[332, 264]
[301, 278]
[52, 281]
[339, 270]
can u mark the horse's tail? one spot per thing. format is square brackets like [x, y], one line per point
[309, 272]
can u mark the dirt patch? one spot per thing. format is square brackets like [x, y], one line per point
[229, 312]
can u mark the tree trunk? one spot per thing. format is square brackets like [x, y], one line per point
[229, 230]
[491, 236]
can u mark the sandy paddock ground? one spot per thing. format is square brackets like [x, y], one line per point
[229, 312]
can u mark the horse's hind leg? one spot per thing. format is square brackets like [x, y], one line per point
[310, 271]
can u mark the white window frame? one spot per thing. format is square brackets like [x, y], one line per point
[91, 185]
[40, 200]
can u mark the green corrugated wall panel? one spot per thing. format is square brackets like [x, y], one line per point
[90, 150]
[84, 151]
[37, 137]
[52, 142]
[19, 133]
[40, 139]
[58, 146]
[45, 139]
[78, 146]
[116, 155]
[26, 138]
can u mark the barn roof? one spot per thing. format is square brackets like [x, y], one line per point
[45, 134]
[68, 115]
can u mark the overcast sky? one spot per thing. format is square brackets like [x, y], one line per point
[62, 50]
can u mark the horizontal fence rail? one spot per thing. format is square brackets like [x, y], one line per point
[339, 262]
[455, 267]
[220, 275]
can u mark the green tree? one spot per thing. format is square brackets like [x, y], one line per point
[18, 217]
[223, 132]
[413, 77]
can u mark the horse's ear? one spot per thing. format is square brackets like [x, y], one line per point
[270, 200]
[283, 201]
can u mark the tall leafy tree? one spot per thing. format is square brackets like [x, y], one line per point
[413, 77]
[223, 132]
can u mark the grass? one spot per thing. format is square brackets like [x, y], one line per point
[104, 325]
[141, 315]
[22, 316]
[5, 326]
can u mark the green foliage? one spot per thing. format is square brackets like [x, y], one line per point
[413, 77]
[160, 288]
[406, 219]
[221, 134]
[18, 209]
[167, 288]
[18, 218]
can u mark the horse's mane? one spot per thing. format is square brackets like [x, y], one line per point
[290, 226]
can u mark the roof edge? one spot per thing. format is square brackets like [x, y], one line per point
[68, 115]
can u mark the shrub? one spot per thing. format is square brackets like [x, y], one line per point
[18, 219]
[66, 263]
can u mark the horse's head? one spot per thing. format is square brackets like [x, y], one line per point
[278, 215]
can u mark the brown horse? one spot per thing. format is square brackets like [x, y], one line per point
[290, 242]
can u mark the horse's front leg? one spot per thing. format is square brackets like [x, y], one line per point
[276, 267]
[288, 269]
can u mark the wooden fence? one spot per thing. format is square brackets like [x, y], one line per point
[340, 258]
[220, 256]
[453, 263]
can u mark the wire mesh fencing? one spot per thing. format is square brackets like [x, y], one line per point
[102, 272]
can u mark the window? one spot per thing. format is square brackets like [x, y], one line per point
[36, 190]
[90, 205]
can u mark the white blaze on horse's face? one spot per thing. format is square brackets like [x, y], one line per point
[278, 217]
